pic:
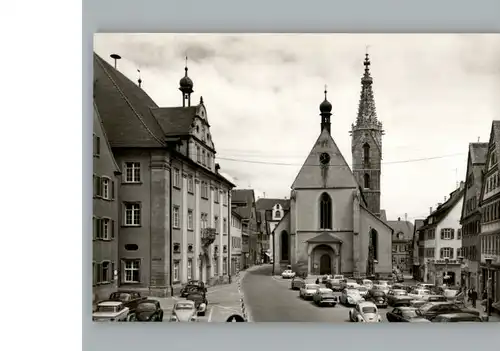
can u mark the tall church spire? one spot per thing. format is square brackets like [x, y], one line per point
[366, 109]
[186, 87]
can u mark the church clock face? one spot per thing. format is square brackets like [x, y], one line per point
[324, 158]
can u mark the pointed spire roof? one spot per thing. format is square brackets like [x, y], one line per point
[366, 109]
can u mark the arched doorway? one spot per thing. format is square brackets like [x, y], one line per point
[325, 264]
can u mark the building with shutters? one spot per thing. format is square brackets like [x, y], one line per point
[236, 242]
[173, 204]
[442, 242]
[243, 203]
[402, 240]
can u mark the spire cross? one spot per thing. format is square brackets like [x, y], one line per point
[326, 90]
[367, 60]
[186, 66]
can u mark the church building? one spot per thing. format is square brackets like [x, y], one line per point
[334, 225]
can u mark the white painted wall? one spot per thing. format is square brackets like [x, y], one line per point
[452, 220]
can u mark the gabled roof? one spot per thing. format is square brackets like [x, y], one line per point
[325, 238]
[376, 217]
[124, 109]
[404, 227]
[441, 212]
[175, 120]
[338, 172]
[268, 204]
[245, 196]
[103, 130]
[418, 223]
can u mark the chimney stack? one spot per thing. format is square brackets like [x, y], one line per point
[462, 184]
[430, 210]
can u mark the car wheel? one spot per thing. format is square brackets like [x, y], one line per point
[131, 317]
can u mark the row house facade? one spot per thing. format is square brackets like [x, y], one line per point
[236, 242]
[489, 202]
[271, 212]
[442, 244]
[471, 214]
[174, 208]
[402, 240]
[418, 248]
[243, 203]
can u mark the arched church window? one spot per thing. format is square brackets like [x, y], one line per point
[366, 153]
[366, 181]
[374, 243]
[284, 246]
[325, 211]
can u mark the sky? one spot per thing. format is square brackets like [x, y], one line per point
[434, 94]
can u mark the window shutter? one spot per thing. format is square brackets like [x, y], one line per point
[94, 228]
[121, 272]
[452, 233]
[99, 228]
[112, 229]
[112, 190]
[99, 185]
[112, 274]
[441, 253]
[442, 233]
[452, 252]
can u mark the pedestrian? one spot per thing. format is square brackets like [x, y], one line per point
[317, 280]
[469, 293]
[473, 297]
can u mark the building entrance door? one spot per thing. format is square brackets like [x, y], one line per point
[325, 264]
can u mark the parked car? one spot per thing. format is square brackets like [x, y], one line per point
[350, 297]
[297, 283]
[112, 311]
[365, 312]
[368, 283]
[363, 290]
[404, 287]
[405, 314]
[308, 290]
[432, 309]
[129, 299]
[426, 286]
[335, 284]
[325, 278]
[149, 311]
[384, 288]
[419, 294]
[200, 301]
[377, 297]
[338, 276]
[457, 317]
[348, 283]
[325, 296]
[192, 285]
[288, 274]
[184, 311]
[398, 297]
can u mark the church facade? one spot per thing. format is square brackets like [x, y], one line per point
[334, 224]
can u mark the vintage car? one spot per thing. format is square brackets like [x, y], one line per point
[398, 297]
[324, 296]
[297, 283]
[426, 286]
[384, 288]
[184, 311]
[419, 294]
[457, 317]
[308, 290]
[365, 312]
[288, 274]
[335, 284]
[405, 314]
[129, 298]
[192, 285]
[377, 297]
[350, 297]
[325, 278]
[348, 283]
[200, 301]
[432, 309]
[112, 311]
[368, 283]
[338, 276]
[363, 290]
[404, 287]
[149, 311]
[398, 277]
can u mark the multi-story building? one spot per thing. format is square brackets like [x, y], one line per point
[402, 238]
[105, 214]
[271, 212]
[489, 202]
[418, 251]
[471, 214]
[443, 241]
[243, 203]
[236, 242]
[174, 204]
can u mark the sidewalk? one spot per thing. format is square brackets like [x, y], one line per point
[495, 318]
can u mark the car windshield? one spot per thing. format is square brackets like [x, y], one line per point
[120, 296]
[147, 306]
[400, 293]
[362, 288]
[312, 286]
[378, 293]
[184, 306]
[369, 309]
[353, 292]
[383, 282]
[108, 309]
[411, 313]
[426, 307]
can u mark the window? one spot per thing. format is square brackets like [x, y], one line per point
[224, 266]
[366, 153]
[447, 233]
[366, 181]
[224, 226]
[277, 214]
[131, 271]
[459, 233]
[176, 271]
[224, 198]
[198, 154]
[106, 276]
[216, 268]
[176, 217]
[190, 269]
[204, 220]
[446, 252]
[97, 145]
[325, 212]
[203, 157]
[216, 195]
[216, 224]
[400, 236]
[103, 228]
[132, 214]
[177, 178]
[204, 190]
[106, 228]
[132, 172]
[190, 184]
[190, 220]
[105, 188]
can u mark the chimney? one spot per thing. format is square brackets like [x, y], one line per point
[445, 199]
[430, 210]
[406, 217]
[439, 204]
[462, 184]
[399, 218]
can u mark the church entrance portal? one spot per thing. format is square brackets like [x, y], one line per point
[325, 264]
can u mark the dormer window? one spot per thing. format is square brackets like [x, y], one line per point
[277, 214]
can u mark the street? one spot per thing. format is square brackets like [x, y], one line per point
[270, 299]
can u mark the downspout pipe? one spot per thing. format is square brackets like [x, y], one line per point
[229, 243]
[170, 210]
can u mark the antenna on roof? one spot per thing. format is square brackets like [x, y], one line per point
[139, 80]
[115, 57]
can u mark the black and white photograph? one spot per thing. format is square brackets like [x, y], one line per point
[328, 178]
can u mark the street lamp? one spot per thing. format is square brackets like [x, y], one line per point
[488, 287]
[445, 275]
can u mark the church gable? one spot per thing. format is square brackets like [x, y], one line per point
[325, 167]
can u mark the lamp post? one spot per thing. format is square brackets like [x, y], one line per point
[488, 287]
[445, 275]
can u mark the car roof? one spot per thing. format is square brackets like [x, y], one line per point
[402, 290]
[149, 301]
[110, 303]
[184, 302]
[313, 284]
[325, 290]
[366, 304]
[405, 308]
[125, 292]
[458, 314]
